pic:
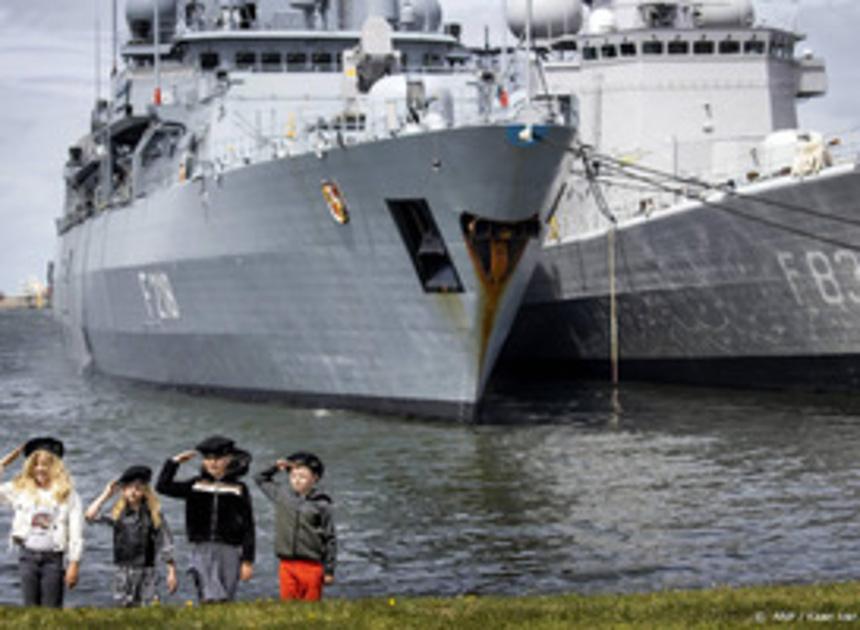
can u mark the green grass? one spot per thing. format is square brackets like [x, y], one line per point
[815, 606]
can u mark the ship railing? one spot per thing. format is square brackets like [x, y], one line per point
[299, 126]
[845, 147]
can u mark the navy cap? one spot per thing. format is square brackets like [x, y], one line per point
[52, 445]
[303, 458]
[142, 474]
[216, 445]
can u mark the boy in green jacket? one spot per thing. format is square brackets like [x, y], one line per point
[305, 539]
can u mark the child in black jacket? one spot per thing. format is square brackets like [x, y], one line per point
[219, 517]
[140, 533]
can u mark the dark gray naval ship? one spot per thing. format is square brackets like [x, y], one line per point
[325, 201]
[704, 237]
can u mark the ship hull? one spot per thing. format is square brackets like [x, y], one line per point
[760, 290]
[245, 283]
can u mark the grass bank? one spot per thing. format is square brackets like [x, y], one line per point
[780, 606]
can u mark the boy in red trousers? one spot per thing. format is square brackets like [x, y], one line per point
[305, 539]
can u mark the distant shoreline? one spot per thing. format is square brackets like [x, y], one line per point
[18, 302]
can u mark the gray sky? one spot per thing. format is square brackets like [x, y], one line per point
[47, 74]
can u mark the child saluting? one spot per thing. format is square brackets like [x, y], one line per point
[48, 523]
[219, 517]
[140, 534]
[305, 539]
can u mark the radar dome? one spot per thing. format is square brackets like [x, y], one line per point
[389, 9]
[602, 20]
[420, 15]
[550, 18]
[140, 15]
[721, 13]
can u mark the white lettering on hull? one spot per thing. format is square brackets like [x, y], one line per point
[836, 276]
[158, 296]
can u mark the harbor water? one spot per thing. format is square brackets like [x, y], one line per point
[567, 490]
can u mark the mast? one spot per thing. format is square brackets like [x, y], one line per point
[157, 42]
[98, 51]
[529, 52]
[114, 41]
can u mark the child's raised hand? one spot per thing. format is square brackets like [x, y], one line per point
[111, 487]
[185, 456]
[11, 457]
[283, 464]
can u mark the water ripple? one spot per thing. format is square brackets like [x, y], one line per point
[566, 490]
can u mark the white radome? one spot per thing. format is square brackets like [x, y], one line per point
[715, 13]
[550, 18]
[421, 15]
[602, 20]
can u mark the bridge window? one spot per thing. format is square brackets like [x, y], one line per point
[627, 49]
[432, 60]
[297, 62]
[608, 51]
[754, 47]
[679, 48]
[652, 48]
[271, 61]
[730, 47]
[781, 49]
[321, 61]
[246, 60]
[589, 53]
[209, 61]
[703, 47]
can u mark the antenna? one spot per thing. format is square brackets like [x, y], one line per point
[98, 50]
[529, 52]
[157, 42]
[505, 60]
[115, 35]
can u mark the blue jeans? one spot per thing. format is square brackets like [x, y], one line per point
[42, 575]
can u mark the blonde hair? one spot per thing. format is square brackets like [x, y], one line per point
[58, 477]
[152, 504]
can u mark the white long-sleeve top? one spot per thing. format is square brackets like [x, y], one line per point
[65, 531]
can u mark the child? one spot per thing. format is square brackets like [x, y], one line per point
[305, 539]
[140, 533]
[218, 517]
[48, 523]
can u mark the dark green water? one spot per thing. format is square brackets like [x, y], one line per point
[681, 488]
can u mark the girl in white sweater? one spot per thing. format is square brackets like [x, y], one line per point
[48, 522]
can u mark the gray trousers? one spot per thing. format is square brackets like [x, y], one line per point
[42, 575]
[215, 570]
[135, 586]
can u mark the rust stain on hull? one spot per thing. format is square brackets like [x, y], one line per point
[495, 248]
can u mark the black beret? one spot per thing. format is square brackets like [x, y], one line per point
[217, 445]
[142, 474]
[52, 445]
[310, 460]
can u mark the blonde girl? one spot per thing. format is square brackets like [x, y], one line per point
[140, 534]
[48, 523]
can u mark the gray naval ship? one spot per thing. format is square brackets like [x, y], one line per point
[704, 237]
[323, 201]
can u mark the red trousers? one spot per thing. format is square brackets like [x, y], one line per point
[301, 579]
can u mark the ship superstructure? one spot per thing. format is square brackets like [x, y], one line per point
[324, 201]
[704, 236]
